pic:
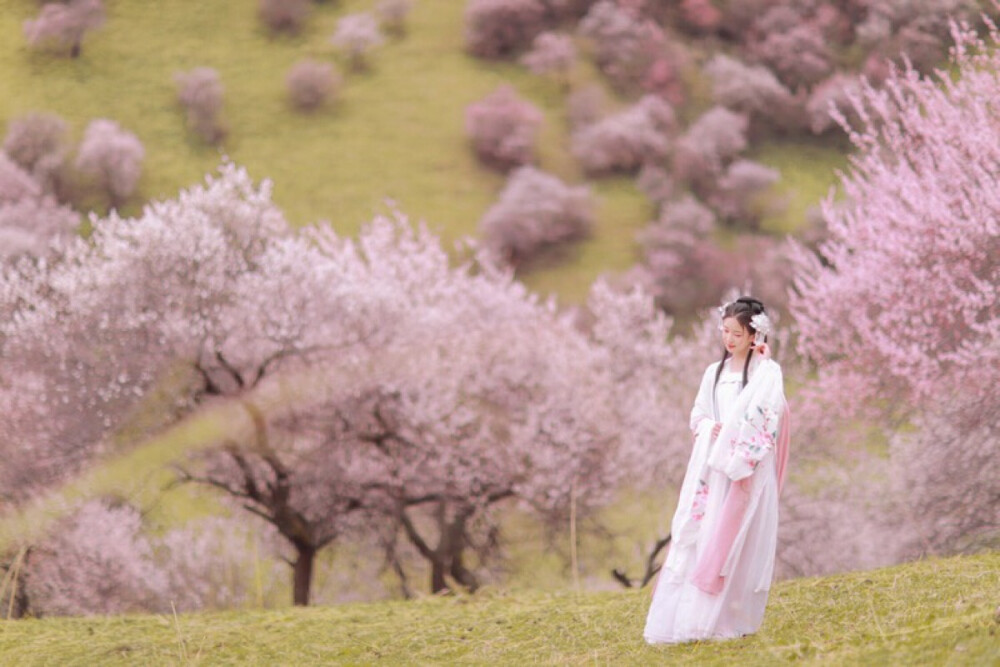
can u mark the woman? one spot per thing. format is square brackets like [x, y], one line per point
[715, 581]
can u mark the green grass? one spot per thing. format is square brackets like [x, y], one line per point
[935, 612]
[808, 171]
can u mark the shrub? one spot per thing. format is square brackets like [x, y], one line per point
[357, 35]
[700, 16]
[628, 139]
[656, 183]
[833, 96]
[711, 141]
[28, 226]
[689, 270]
[503, 128]
[794, 48]
[200, 93]
[738, 194]
[498, 28]
[37, 143]
[283, 15]
[310, 84]
[535, 210]
[745, 88]
[60, 27]
[113, 157]
[632, 51]
[15, 183]
[551, 53]
[393, 15]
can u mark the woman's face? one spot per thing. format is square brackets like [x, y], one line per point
[736, 339]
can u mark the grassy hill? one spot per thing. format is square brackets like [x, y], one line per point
[396, 133]
[935, 612]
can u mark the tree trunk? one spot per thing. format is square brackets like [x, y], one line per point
[303, 569]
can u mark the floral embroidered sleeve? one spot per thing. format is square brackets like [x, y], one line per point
[746, 440]
[757, 436]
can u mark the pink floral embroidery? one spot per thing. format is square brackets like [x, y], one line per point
[763, 433]
[700, 501]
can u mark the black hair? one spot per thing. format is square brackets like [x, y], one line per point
[743, 309]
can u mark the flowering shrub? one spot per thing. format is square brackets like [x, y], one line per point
[503, 128]
[200, 93]
[551, 53]
[498, 28]
[113, 157]
[535, 210]
[750, 89]
[283, 15]
[310, 84]
[37, 143]
[61, 26]
[832, 97]
[795, 49]
[739, 193]
[626, 140]
[357, 35]
[709, 144]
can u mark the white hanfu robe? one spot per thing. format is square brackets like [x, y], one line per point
[717, 575]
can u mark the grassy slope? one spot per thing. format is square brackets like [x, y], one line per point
[933, 612]
[396, 133]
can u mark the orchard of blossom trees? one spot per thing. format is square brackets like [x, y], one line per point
[396, 395]
[424, 394]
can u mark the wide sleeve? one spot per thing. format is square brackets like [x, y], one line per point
[752, 433]
[702, 415]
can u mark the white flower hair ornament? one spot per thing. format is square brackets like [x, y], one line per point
[761, 324]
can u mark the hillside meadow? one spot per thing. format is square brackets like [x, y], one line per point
[395, 135]
[934, 612]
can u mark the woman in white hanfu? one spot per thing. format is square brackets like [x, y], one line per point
[717, 575]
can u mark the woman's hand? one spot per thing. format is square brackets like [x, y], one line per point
[715, 430]
[764, 350]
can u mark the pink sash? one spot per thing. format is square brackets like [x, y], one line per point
[707, 573]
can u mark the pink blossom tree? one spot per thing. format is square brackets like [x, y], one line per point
[552, 54]
[632, 50]
[750, 89]
[503, 128]
[908, 274]
[382, 386]
[61, 26]
[200, 92]
[708, 145]
[37, 143]
[499, 28]
[792, 45]
[627, 140]
[700, 16]
[113, 157]
[832, 99]
[357, 36]
[283, 15]
[740, 196]
[535, 211]
[30, 221]
[311, 84]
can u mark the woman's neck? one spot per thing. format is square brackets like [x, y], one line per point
[738, 362]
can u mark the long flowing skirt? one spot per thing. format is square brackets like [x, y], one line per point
[680, 611]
